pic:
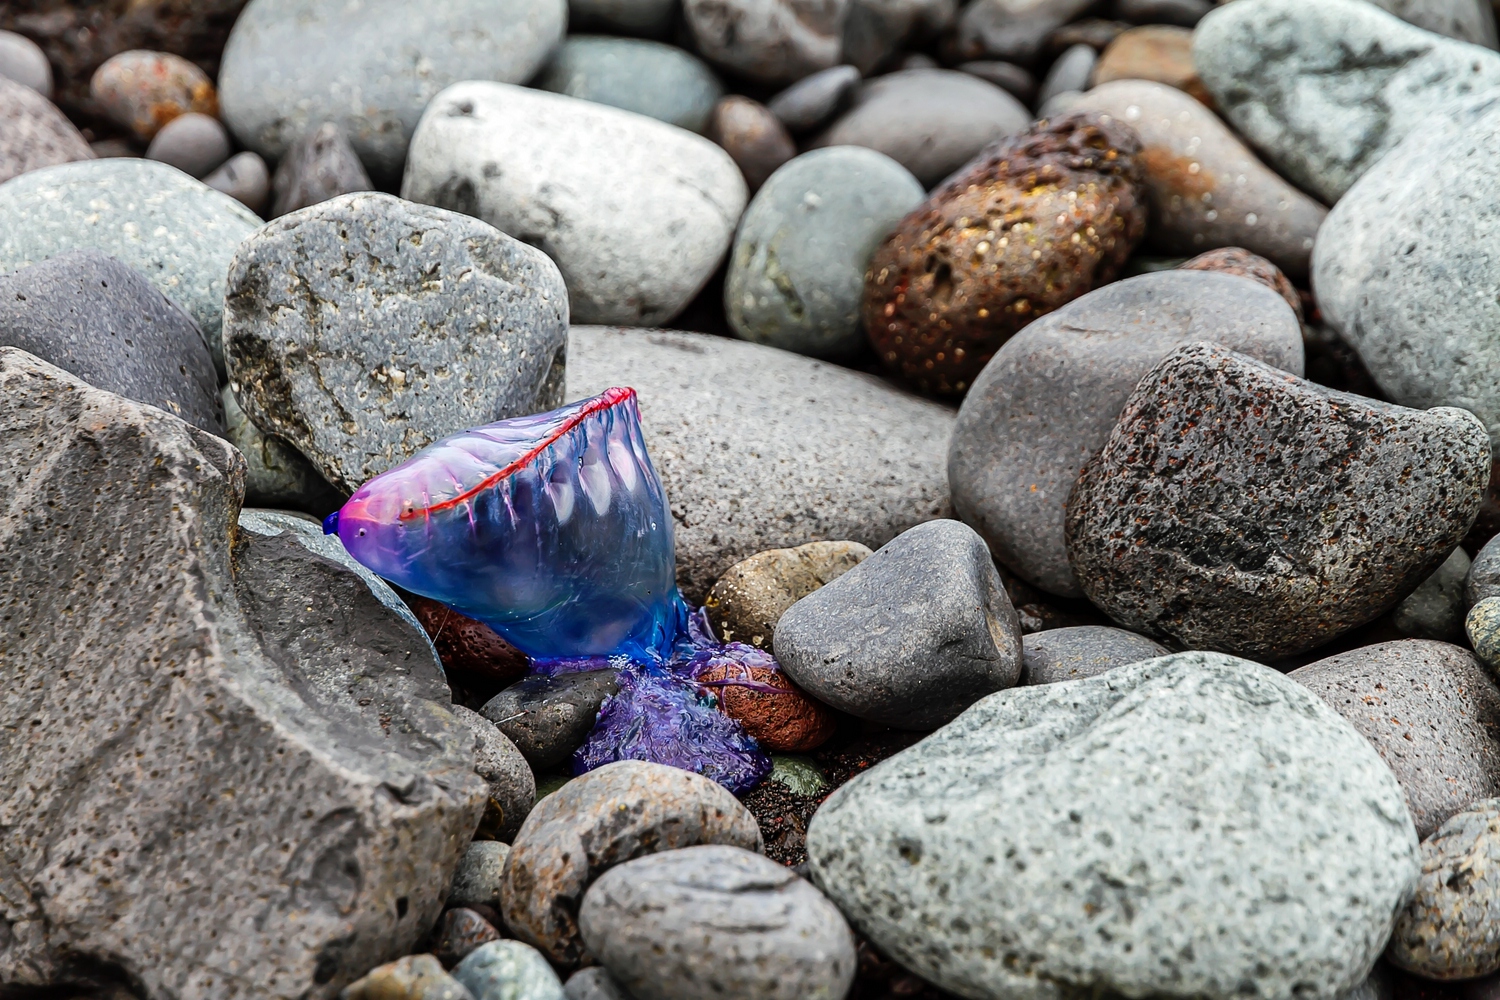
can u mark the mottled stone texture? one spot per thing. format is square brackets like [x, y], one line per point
[751, 596]
[210, 781]
[1448, 929]
[35, 134]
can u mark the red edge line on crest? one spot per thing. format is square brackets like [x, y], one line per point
[603, 401]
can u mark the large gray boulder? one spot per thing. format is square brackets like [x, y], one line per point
[763, 449]
[227, 769]
[1194, 825]
[364, 328]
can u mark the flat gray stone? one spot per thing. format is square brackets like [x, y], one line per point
[548, 717]
[276, 474]
[1325, 90]
[317, 167]
[508, 970]
[815, 453]
[814, 99]
[243, 672]
[178, 232]
[33, 132]
[476, 880]
[1401, 272]
[365, 328]
[931, 121]
[1072, 654]
[92, 316]
[1126, 834]
[1184, 527]
[650, 78]
[768, 41]
[1447, 931]
[547, 169]
[1435, 610]
[910, 637]
[717, 920]
[1430, 709]
[511, 783]
[291, 65]
[1047, 401]
[797, 267]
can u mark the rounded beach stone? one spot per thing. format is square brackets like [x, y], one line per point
[245, 178]
[23, 61]
[548, 169]
[752, 136]
[1483, 579]
[715, 919]
[329, 349]
[193, 143]
[34, 133]
[1124, 811]
[768, 41]
[931, 121]
[458, 933]
[911, 636]
[797, 265]
[276, 474]
[1244, 264]
[1048, 400]
[650, 78]
[178, 232]
[594, 983]
[1155, 52]
[549, 716]
[617, 813]
[789, 721]
[318, 167]
[415, 977]
[476, 881]
[1447, 931]
[371, 69]
[512, 786]
[508, 970]
[1483, 629]
[994, 248]
[1435, 610]
[1070, 73]
[143, 90]
[814, 99]
[1180, 526]
[1071, 654]
[747, 601]
[468, 646]
[1013, 30]
[1014, 80]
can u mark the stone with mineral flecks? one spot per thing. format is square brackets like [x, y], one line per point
[512, 785]
[1072, 654]
[34, 133]
[508, 970]
[549, 716]
[747, 601]
[1242, 263]
[276, 474]
[477, 878]
[415, 977]
[1447, 930]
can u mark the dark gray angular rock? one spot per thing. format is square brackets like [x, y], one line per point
[34, 133]
[276, 474]
[243, 746]
[548, 717]
[1435, 610]
[318, 167]
[910, 637]
[1238, 507]
[813, 100]
[1447, 931]
[511, 782]
[364, 328]
[1047, 401]
[1430, 709]
[476, 880]
[1195, 825]
[594, 983]
[715, 919]
[1071, 654]
[91, 315]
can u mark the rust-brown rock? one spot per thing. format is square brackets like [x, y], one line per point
[787, 719]
[621, 811]
[1161, 53]
[1244, 264]
[1035, 221]
[142, 90]
[473, 654]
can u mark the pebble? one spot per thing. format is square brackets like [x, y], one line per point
[1137, 809]
[643, 18]
[415, 977]
[1244, 264]
[594, 983]
[817, 452]
[1071, 654]
[33, 133]
[512, 785]
[143, 90]
[787, 720]
[800, 774]
[717, 920]
[194, 143]
[534, 165]
[1181, 528]
[1157, 53]
[1015, 80]
[1482, 626]
[176, 231]
[1395, 249]
[797, 265]
[1325, 90]
[136, 529]
[508, 970]
[23, 61]
[1483, 579]
[1447, 931]
[748, 600]
[90, 315]
[650, 78]
[291, 65]
[316, 168]
[471, 651]
[276, 474]
[548, 717]
[768, 41]
[620, 812]
[1070, 72]
[1430, 709]
[1465, 20]
[1012, 30]
[1435, 610]
[876, 30]
[813, 100]
[945, 291]
[244, 178]
[911, 636]
[931, 121]
[476, 880]
[328, 349]
[458, 933]
[752, 136]
[1184, 13]
[1207, 189]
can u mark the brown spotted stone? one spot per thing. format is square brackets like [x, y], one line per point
[144, 90]
[1036, 221]
[790, 721]
[1447, 931]
[1244, 264]
[747, 600]
[1161, 53]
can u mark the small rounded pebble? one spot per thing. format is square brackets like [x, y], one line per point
[1071, 654]
[783, 719]
[458, 933]
[1483, 628]
[1070, 72]
[752, 136]
[477, 878]
[1448, 930]
[508, 970]
[1244, 264]
[144, 90]
[746, 602]
[815, 99]
[799, 774]
[243, 177]
[194, 143]
[23, 61]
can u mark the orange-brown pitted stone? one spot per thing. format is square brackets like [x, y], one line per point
[1035, 221]
[788, 719]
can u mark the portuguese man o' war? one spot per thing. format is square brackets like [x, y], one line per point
[554, 530]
